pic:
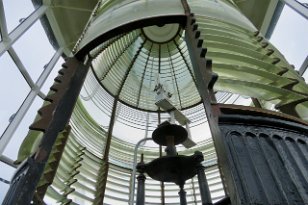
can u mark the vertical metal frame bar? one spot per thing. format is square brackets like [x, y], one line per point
[304, 67]
[111, 125]
[133, 177]
[205, 82]
[162, 184]
[182, 195]
[141, 183]
[104, 168]
[53, 162]
[203, 186]
[3, 26]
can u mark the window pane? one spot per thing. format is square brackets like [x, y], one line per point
[13, 89]
[12, 148]
[305, 75]
[290, 36]
[16, 11]
[303, 1]
[34, 50]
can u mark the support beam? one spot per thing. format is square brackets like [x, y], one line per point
[304, 67]
[51, 166]
[110, 129]
[267, 22]
[141, 179]
[256, 102]
[182, 195]
[162, 184]
[54, 118]
[205, 80]
[102, 184]
[103, 171]
[203, 186]
[132, 185]
[141, 192]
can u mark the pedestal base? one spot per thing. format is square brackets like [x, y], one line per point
[176, 169]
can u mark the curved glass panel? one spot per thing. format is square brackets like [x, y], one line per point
[127, 11]
[131, 65]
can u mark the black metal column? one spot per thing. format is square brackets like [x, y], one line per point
[203, 186]
[54, 118]
[141, 179]
[162, 184]
[103, 171]
[182, 194]
[53, 162]
[140, 190]
[205, 80]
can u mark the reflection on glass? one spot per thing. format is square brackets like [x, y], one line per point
[16, 12]
[12, 148]
[34, 50]
[132, 134]
[290, 36]
[13, 91]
